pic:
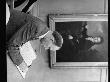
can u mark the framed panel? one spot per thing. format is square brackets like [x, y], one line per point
[85, 40]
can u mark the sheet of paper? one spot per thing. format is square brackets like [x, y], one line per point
[23, 68]
[28, 53]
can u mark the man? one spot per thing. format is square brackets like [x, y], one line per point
[21, 28]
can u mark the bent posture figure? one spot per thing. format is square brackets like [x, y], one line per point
[22, 28]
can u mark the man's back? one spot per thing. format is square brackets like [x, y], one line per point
[25, 24]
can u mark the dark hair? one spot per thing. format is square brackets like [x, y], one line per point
[58, 39]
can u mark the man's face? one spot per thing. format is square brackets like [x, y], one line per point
[47, 41]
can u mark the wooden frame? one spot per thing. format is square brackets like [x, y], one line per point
[53, 18]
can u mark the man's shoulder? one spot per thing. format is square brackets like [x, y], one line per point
[13, 11]
[28, 17]
[35, 19]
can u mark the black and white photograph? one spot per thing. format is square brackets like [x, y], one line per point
[56, 40]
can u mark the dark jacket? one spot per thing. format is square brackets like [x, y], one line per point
[20, 29]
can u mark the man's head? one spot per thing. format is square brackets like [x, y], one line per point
[52, 40]
[7, 13]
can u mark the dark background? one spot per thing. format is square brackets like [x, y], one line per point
[82, 52]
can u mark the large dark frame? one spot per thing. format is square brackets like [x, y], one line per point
[53, 18]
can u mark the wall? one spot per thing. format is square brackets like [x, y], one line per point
[40, 71]
[44, 7]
